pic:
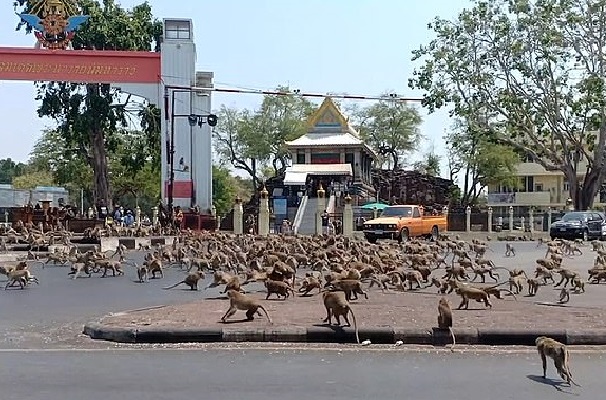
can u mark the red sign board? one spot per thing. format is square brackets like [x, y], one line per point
[181, 189]
[79, 66]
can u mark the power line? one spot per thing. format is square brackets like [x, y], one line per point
[390, 97]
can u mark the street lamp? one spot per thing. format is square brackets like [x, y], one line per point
[193, 119]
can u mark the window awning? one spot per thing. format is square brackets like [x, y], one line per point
[321, 169]
[292, 178]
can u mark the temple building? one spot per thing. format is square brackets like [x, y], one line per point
[331, 153]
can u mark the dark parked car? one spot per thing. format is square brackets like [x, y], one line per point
[584, 225]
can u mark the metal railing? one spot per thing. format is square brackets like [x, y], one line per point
[299, 215]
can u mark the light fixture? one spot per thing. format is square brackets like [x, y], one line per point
[210, 119]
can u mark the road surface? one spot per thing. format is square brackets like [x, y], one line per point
[286, 374]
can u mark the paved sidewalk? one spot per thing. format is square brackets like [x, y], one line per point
[384, 318]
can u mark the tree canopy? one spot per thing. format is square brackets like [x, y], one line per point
[390, 127]
[251, 140]
[90, 116]
[535, 71]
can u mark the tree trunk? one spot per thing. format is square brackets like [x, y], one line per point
[587, 192]
[100, 170]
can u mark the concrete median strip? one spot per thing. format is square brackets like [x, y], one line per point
[326, 334]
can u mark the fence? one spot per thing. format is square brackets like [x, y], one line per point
[457, 221]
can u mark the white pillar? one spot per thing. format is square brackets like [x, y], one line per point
[489, 219]
[511, 218]
[137, 216]
[445, 212]
[468, 219]
[320, 210]
[263, 223]
[347, 217]
[531, 219]
[238, 217]
[522, 222]
[155, 213]
[549, 218]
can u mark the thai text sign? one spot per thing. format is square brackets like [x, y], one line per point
[79, 66]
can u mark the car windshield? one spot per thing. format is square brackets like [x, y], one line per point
[570, 217]
[397, 212]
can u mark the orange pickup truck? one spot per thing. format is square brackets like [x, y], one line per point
[404, 222]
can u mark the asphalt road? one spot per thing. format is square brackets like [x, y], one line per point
[60, 301]
[313, 375]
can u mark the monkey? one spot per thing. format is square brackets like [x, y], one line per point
[349, 286]
[280, 288]
[114, 266]
[578, 285]
[496, 292]
[23, 277]
[233, 284]
[154, 265]
[482, 271]
[548, 347]
[76, 268]
[308, 284]
[337, 305]
[564, 296]
[142, 273]
[533, 286]
[509, 250]
[239, 301]
[476, 294]
[516, 283]
[445, 318]
[567, 276]
[441, 284]
[546, 274]
[190, 280]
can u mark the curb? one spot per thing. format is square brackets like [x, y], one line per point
[334, 334]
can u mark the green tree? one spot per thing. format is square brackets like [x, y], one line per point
[537, 68]
[390, 127]
[9, 169]
[224, 190]
[32, 179]
[251, 140]
[480, 162]
[90, 115]
[430, 164]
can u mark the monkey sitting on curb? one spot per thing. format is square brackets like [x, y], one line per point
[445, 318]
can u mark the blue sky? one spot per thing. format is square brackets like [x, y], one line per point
[352, 46]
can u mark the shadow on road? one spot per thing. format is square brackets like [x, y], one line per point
[557, 385]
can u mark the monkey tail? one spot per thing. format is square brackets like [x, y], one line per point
[353, 317]
[510, 292]
[454, 342]
[173, 286]
[266, 314]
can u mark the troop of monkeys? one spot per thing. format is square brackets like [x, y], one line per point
[337, 268]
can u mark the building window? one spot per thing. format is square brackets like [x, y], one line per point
[301, 158]
[538, 187]
[566, 186]
[177, 30]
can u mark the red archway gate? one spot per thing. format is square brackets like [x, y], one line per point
[80, 66]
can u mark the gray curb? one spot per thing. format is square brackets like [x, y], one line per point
[325, 334]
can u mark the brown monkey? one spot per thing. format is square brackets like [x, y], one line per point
[445, 318]
[476, 294]
[233, 284]
[76, 268]
[578, 285]
[516, 283]
[279, 288]
[190, 280]
[337, 305]
[239, 301]
[564, 296]
[349, 286]
[567, 276]
[509, 250]
[308, 284]
[533, 286]
[23, 277]
[142, 273]
[548, 347]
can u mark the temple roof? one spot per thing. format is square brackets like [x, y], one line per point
[328, 127]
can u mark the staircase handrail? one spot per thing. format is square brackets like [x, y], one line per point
[299, 215]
